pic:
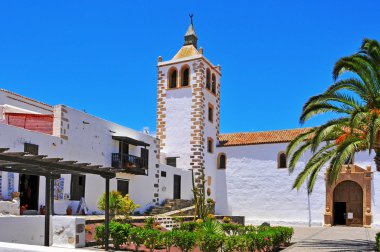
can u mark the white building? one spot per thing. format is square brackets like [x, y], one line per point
[245, 172]
[60, 131]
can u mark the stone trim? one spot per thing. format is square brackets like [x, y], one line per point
[363, 177]
[197, 140]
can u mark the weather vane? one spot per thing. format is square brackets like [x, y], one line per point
[191, 18]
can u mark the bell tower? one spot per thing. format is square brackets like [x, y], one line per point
[188, 103]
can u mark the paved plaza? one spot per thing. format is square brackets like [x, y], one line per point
[333, 239]
[305, 239]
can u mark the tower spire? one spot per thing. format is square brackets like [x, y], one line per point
[191, 36]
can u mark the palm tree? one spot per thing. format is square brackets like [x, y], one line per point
[355, 100]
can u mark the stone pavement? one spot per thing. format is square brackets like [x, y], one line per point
[337, 238]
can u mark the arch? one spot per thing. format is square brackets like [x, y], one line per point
[185, 76]
[172, 77]
[222, 161]
[282, 160]
[208, 79]
[213, 83]
[357, 177]
[348, 204]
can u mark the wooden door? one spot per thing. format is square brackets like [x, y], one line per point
[352, 194]
[78, 185]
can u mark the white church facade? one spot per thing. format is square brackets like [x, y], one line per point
[246, 173]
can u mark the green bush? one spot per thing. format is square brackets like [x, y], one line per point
[117, 204]
[151, 237]
[167, 240]
[210, 242]
[189, 226]
[100, 234]
[119, 233]
[137, 236]
[185, 240]
[149, 223]
[231, 228]
[378, 241]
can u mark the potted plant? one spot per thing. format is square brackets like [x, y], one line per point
[15, 195]
[23, 208]
[42, 210]
[69, 210]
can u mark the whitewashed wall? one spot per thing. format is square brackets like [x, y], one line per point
[166, 189]
[87, 142]
[257, 189]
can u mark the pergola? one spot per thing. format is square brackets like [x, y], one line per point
[53, 168]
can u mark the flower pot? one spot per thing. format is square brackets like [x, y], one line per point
[69, 211]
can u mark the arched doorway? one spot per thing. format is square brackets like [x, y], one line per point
[348, 204]
[350, 195]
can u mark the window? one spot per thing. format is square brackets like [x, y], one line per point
[282, 162]
[31, 148]
[172, 161]
[210, 112]
[163, 174]
[210, 145]
[123, 186]
[213, 84]
[145, 157]
[173, 78]
[222, 161]
[185, 77]
[208, 79]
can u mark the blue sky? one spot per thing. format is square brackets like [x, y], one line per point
[101, 55]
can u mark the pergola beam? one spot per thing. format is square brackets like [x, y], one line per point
[56, 166]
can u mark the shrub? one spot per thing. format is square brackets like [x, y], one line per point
[149, 223]
[117, 203]
[231, 228]
[119, 233]
[185, 240]
[151, 237]
[189, 226]
[230, 243]
[226, 219]
[137, 236]
[212, 227]
[100, 234]
[210, 242]
[378, 241]
[167, 240]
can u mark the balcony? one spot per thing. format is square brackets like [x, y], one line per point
[131, 164]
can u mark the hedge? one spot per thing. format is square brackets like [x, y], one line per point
[209, 236]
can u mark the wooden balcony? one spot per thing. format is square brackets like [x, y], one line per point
[131, 164]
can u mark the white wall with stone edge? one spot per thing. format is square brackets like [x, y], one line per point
[257, 189]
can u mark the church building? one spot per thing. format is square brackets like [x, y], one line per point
[246, 173]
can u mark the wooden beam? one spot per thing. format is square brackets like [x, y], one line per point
[28, 171]
[57, 167]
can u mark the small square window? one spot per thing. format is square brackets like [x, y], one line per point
[123, 186]
[163, 174]
[172, 161]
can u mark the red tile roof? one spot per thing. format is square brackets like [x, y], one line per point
[251, 138]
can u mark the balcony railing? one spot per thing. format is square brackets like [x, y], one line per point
[132, 164]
